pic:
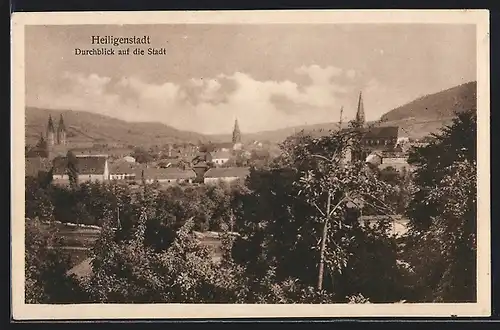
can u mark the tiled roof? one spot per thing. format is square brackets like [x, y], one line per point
[388, 132]
[122, 168]
[35, 164]
[381, 132]
[165, 173]
[228, 172]
[85, 165]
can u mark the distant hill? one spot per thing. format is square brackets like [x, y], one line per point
[437, 106]
[417, 119]
[87, 128]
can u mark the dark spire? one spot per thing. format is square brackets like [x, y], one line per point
[50, 125]
[51, 132]
[61, 132]
[341, 115]
[360, 114]
[61, 126]
[236, 132]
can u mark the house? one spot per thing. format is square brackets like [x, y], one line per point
[228, 174]
[35, 165]
[89, 167]
[374, 139]
[122, 171]
[380, 138]
[220, 157]
[166, 175]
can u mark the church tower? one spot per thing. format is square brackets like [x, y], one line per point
[360, 114]
[51, 132]
[61, 132]
[236, 133]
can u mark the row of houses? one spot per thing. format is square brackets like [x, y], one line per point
[92, 168]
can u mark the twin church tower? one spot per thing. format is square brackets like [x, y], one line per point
[56, 136]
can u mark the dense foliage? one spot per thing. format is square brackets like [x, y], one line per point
[209, 205]
[308, 196]
[299, 236]
[46, 267]
[442, 241]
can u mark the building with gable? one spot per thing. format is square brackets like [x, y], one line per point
[225, 174]
[375, 140]
[90, 168]
[123, 171]
[169, 175]
[220, 157]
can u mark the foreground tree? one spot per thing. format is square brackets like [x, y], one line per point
[72, 169]
[46, 279]
[301, 215]
[128, 269]
[442, 240]
[332, 187]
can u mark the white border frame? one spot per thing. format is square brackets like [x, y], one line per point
[22, 311]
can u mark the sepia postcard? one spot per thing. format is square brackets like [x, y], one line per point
[250, 164]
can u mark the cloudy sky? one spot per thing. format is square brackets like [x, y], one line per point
[267, 76]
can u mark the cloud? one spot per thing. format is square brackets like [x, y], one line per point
[211, 104]
[91, 85]
[164, 93]
[351, 74]
[319, 75]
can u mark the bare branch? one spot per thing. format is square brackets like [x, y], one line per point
[320, 211]
[388, 208]
[381, 208]
[322, 157]
[337, 205]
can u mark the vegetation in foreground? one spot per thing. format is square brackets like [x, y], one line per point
[299, 239]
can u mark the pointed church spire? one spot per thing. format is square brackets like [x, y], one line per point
[50, 132]
[236, 132]
[360, 114]
[61, 126]
[50, 125]
[61, 132]
[341, 115]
